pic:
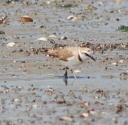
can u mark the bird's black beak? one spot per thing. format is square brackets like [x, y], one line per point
[90, 56]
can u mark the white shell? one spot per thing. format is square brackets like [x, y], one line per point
[11, 44]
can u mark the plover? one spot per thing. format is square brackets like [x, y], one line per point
[71, 56]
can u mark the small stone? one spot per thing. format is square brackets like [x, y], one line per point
[100, 3]
[3, 19]
[92, 112]
[66, 118]
[121, 61]
[43, 39]
[124, 76]
[48, 2]
[9, 122]
[2, 32]
[72, 18]
[11, 44]
[85, 115]
[90, 7]
[63, 38]
[115, 63]
[14, 61]
[34, 106]
[114, 120]
[86, 104]
[119, 108]
[49, 91]
[16, 100]
[119, 1]
[52, 36]
[60, 99]
[26, 19]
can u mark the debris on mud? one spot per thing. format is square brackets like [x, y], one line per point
[26, 19]
[123, 28]
[3, 19]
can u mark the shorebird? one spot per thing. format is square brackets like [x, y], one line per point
[71, 56]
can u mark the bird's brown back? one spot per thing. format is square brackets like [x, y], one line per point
[60, 53]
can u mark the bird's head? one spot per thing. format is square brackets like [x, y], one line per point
[86, 52]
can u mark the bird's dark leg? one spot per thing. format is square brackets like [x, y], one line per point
[66, 76]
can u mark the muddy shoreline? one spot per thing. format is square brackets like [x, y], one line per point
[32, 90]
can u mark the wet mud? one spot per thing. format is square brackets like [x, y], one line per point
[32, 88]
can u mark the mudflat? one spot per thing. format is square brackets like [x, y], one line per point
[32, 89]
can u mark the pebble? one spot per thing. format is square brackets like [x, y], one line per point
[49, 91]
[124, 76]
[16, 100]
[26, 19]
[3, 19]
[85, 115]
[34, 106]
[60, 99]
[11, 44]
[92, 112]
[52, 36]
[66, 118]
[121, 61]
[90, 7]
[2, 32]
[72, 18]
[115, 63]
[43, 39]
[48, 2]
[63, 38]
